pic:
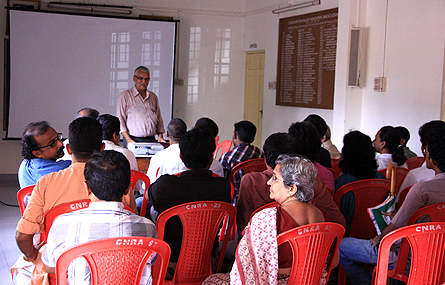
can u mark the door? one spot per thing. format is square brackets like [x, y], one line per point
[253, 94]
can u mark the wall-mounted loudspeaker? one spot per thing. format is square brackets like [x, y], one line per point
[354, 58]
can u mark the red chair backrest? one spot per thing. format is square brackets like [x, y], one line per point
[368, 193]
[118, 260]
[427, 246]
[436, 212]
[200, 221]
[224, 146]
[415, 162]
[310, 247]
[335, 167]
[135, 177]
[268, 205]
[251, 165]
[402, 196]
[21, 196]
[58, 210]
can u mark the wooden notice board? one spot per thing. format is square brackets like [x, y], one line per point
[306, 60]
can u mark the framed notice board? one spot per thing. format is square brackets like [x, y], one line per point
[306, 60]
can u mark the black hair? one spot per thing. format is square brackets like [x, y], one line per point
[197, 147]
[110, 126]
[107, 174]
[90, 113]
[392, 138]
[436, 146]
[245, 131]
[426, 128]
[85, 136]
[358, 156]
[176, 129]
[277, 144]
[319, 124]
[404, 133]
[307, 137]
[28, 142]
[209, 124]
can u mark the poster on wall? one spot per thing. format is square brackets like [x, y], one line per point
[306, 60]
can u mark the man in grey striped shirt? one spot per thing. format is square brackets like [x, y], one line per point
[107, 175]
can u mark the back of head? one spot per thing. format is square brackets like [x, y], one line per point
[358, 157]
[404, 133]
[87, 112]
[85, 135]
[319, 124]
[197, 147]
[208, 124]
[28, 142]
[176, 129]
[245, 131]
[426, 128]
[298, 170]
[392, 138]
[110, 126]
[108, 174]
[307, 137]
[435, 143]
[277, 144]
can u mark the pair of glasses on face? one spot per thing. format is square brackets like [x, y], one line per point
[53, 142]
[274, 178]
[142, 78]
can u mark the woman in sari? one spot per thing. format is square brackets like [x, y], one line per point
[258, 258]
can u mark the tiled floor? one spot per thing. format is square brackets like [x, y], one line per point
[9, 216]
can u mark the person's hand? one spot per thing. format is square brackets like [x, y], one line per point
[375, 240]
[161, 139]
[35, 253]
[389, 214]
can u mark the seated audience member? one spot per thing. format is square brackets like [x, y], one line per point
[254, 191]
[168, 160]
[387, 144]
[310, 145]
[107, 175]
[84, 112]
[111, 137]
[41, 146]
[421, 173]
[358, 163]
[64, 186]
[355, 254]
[404, 133]
[292, 186]
[323, 155]
[196, 183]
[329, 146]
[243, 136]
[212, 127]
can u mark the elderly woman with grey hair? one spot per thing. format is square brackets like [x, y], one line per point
[258, 259]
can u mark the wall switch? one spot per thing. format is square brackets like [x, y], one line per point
[272, 85]
[380, 84]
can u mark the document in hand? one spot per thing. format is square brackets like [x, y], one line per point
[375, 213]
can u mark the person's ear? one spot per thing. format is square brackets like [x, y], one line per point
[116, 138]
[293, 190]
[68, 149]
[402, 142]
[37, 153]
[383, 143]
[102, 147]
[323, 139]
[87, 189]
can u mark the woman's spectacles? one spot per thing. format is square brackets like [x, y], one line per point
[274, 178]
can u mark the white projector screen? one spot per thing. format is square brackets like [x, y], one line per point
[60, 63]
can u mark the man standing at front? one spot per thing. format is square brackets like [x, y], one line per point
[139, 112]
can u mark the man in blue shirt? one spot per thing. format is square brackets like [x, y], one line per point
[41, 146]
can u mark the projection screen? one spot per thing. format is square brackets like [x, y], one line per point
[60, 63]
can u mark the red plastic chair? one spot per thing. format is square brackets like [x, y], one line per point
[436, 213]
[119, 260]
[251, 165]
[58, 210]
[427, 246]
[335, 167]
[400, 175]
[224, 146]
[200, 221]
[135, 177]
[368, 193]
[415, 162]
[311, 245]
[21, 194]
[402, 196]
